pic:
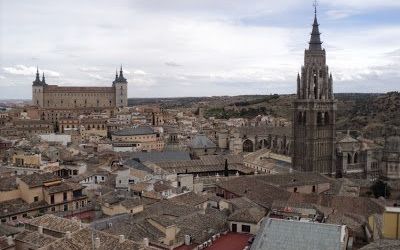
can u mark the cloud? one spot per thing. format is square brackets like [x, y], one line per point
[96, 76]
[139, 72]
[340, 14]
[89, 69]
[2, 77]
[28, 71]
[172, 64]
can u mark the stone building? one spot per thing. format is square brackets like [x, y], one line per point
[356, 156]
[314, 111]
[391, 157]
[140, 138]
[54, 96]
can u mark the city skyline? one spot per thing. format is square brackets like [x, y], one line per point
[179, 49]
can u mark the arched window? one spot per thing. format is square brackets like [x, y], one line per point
[356, 157]
[326, 118]
[319, 119]
[349, 158]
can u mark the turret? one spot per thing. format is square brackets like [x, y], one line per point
[37, 90]
[121, 89]
[43, 80]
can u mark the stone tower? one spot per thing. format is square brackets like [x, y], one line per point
[37, 90]
[314, 111]
[121, 89]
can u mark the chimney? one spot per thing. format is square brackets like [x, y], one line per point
[10, 241]
[97, 243]
[68, 234]
[40, 229]
[146, 242]
[121, 238]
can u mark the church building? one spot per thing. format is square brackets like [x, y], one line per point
[314, 111]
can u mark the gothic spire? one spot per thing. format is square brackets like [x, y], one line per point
[121, 77]
[43, 79]
[315, 40]
[120, 72]
[37, 81]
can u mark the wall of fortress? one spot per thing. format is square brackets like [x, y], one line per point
[78, 97]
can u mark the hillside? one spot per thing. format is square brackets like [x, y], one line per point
[370, 113]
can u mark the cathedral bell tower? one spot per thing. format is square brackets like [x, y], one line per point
[314, 111]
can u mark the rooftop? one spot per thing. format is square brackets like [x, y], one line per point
[55, 223]
[294, 235]
[140, 130]
[36, 179]
[201, 141]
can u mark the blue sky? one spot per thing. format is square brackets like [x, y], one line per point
[196, 48]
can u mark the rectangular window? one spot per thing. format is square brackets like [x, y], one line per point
[65, 196]
[246, 228]
[14, 218]
[36, 198]
[65, 207]
[52, 199]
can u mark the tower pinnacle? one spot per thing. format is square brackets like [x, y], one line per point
[37, 81]
[315, 40]
[43, 79]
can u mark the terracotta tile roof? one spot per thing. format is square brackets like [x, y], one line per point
[8, 183]
[17, 206]
[55, 223]
[189, 199]
[383, 245]
[255, 189]
[36, 179]
[84, 239]
[248, 215]
[63, 187]
[202, 227]
[35, 238]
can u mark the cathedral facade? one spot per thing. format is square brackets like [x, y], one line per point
[46, 96]
[314, 112]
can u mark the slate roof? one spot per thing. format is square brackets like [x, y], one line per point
[201, 141]
[293, 235]
[159, 156]
[140, 130]
[207, 164]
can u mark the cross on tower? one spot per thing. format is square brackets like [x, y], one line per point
[315, 4]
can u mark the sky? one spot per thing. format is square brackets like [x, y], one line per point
[174, 48]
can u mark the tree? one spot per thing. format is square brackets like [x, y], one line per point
[381, 189]
[226, 170]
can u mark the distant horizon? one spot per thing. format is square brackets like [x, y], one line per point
[177, 97]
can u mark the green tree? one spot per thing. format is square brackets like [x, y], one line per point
[381, 189]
